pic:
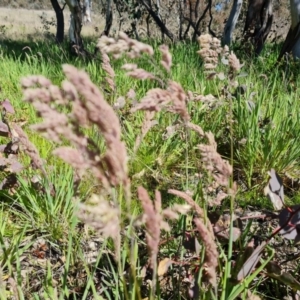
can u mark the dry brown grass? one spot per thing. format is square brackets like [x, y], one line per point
[29, 4]
[21, 23]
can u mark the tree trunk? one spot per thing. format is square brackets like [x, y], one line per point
[295, 14]
[265, 28]
[232, 20]
[60, 24]
[109, 18]
[156, 18]
[87, 6]
[75, 27]
[292, 41]
[253, 13]
[259, 17]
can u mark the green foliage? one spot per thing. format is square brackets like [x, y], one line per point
[261, 125]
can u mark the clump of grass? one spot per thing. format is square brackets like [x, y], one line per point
[110, 167]
[160, 136]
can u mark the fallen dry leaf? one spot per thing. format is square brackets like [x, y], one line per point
[163, 266]
[274, 190]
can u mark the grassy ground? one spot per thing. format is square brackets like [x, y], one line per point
[49, 253]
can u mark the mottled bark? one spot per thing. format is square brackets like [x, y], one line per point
[232, 20]
[87, 7]
[76, 41]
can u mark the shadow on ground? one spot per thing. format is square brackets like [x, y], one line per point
[43, 46]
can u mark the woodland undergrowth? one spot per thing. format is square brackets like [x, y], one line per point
[139, 246]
